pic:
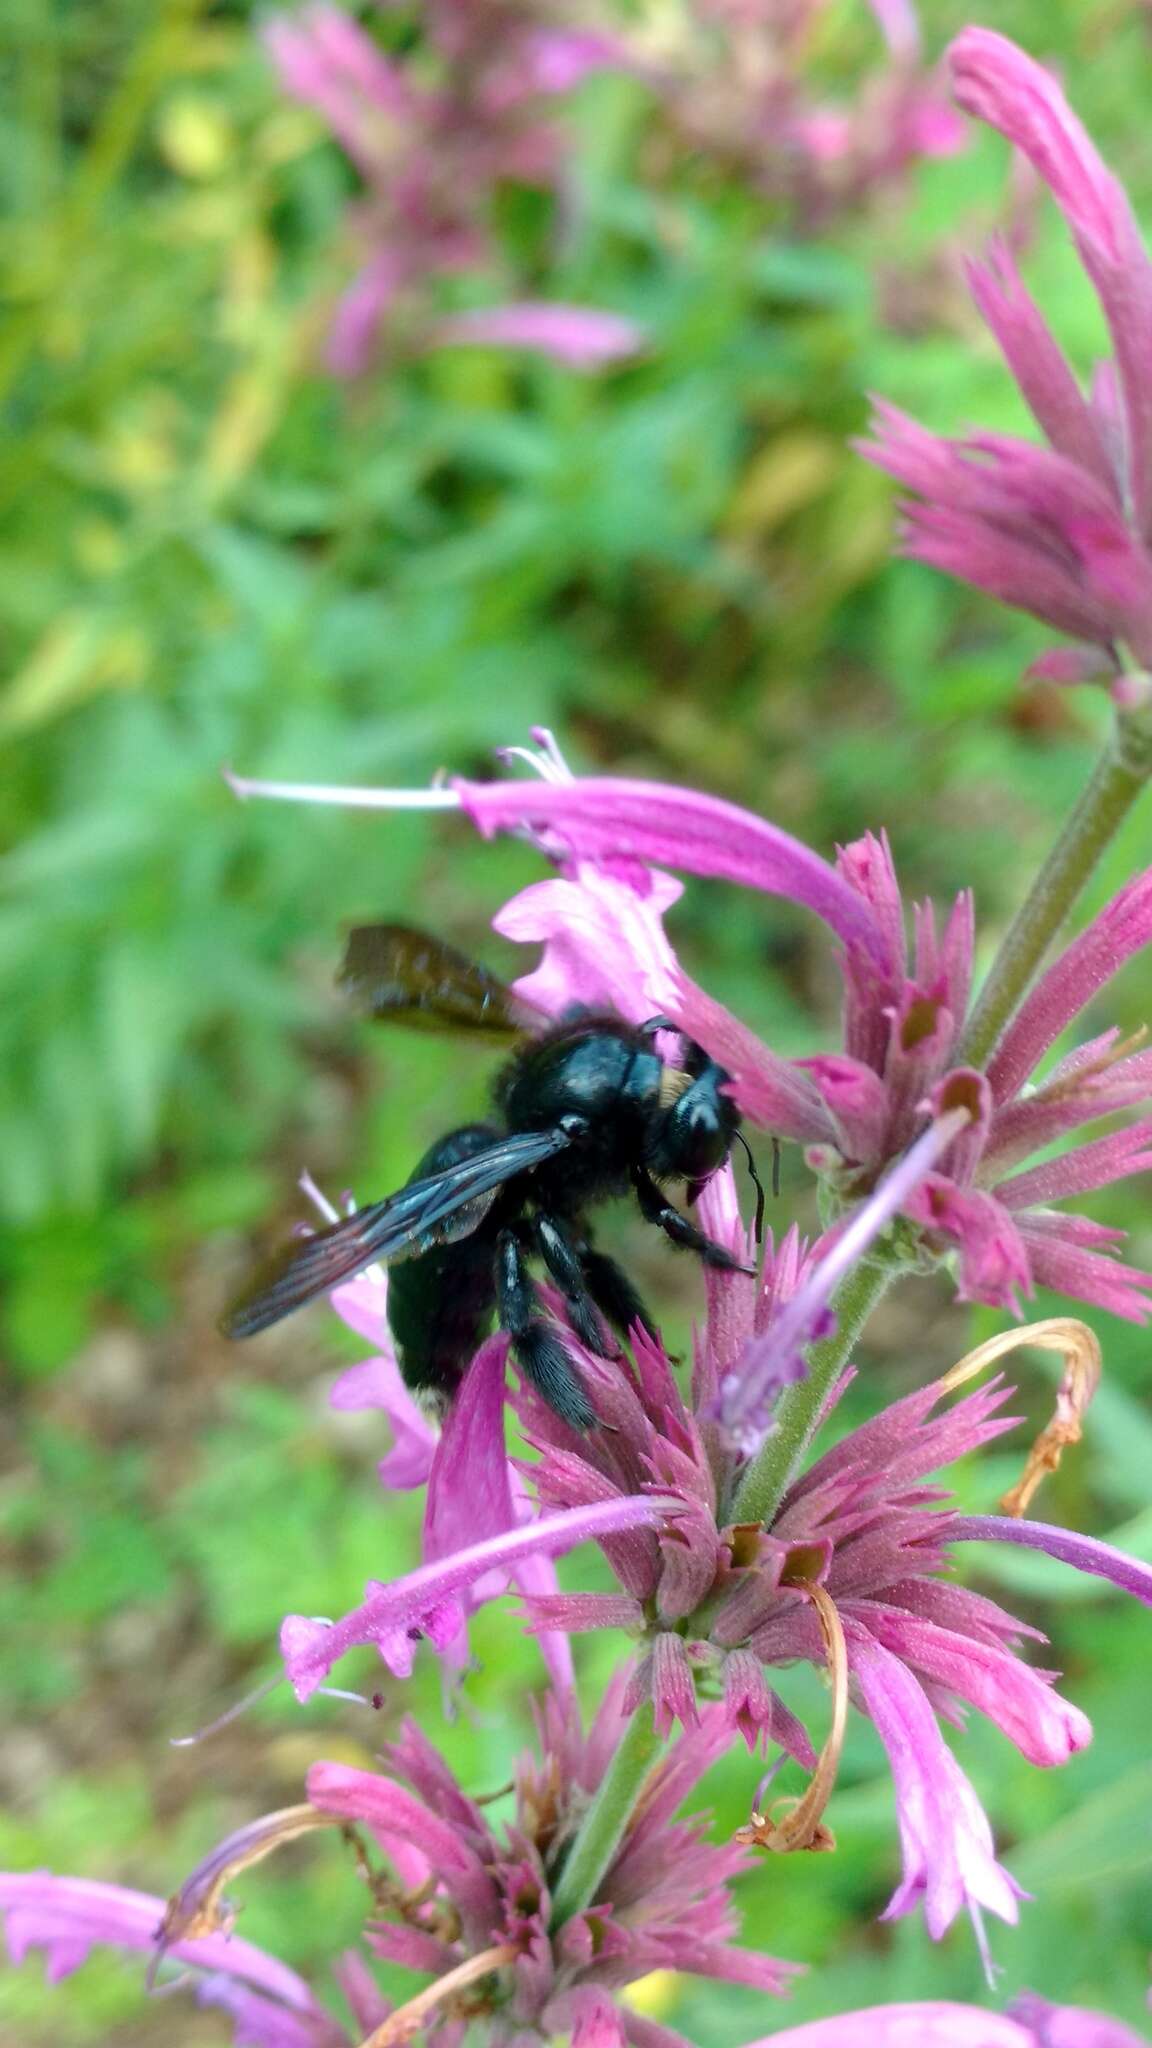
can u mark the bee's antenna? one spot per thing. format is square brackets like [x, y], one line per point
[758, 1226]
[775, 1167]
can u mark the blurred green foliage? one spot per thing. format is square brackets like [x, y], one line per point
[214, 554]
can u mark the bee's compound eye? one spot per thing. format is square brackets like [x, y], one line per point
[699, 1139]
[574, 1127]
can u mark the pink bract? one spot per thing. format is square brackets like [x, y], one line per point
[1063, 532]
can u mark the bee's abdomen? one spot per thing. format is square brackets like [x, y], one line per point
[440, 1304]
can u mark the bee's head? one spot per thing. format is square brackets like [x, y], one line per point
[694, 1131]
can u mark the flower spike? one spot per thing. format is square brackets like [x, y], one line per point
[1063, 531]
[1000, 84]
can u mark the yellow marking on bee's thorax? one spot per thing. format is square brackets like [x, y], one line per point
[673, 1084]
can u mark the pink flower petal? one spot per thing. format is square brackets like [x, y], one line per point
[928, 2025]
[69, 1916]
[1122, 929]
[995, 80]
[1077, 1172]
[426, 1598]
[603, 938]
[376, 1383]
[1059, 1254]
[994, 1264]
[949, 1861]
[605, 819]
[672, 1683]
[469, 1492]
[580, 337]
[1086, 1553]
[1038, 363]
[559, 59]
[1070, 2026]
[367, 1796]
[358, 322]
[1046, 1729]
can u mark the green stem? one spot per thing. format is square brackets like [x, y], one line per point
[769, 1475]
[599, 1834]
[1120, 775]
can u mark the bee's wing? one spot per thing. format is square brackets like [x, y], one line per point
[395, 971]
[437, 1210]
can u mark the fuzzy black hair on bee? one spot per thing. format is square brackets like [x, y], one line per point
[584, 1109]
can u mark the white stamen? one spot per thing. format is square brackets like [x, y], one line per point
[230, 1714]
[307, 1186]
[549, 746]
[993, 1971]
[335, 793]
[545, 759]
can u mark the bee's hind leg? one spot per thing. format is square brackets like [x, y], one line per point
[614, 1293]
[537, 1346]
[561, 1253]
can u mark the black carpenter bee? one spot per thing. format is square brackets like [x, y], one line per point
[587, 1107]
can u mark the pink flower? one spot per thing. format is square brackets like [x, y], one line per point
[69, 1916]
[848, 1574]
[327, 60]
[1063, 532]
[557, 59]
[859, 1110]
[744, 92]
[603, 938]
[903, 1030]
[428, 1602]
[945, 1837]
[901, 1068]
[685, 1919]
[433, 145]
[1029, 2023]
[466, 1905]
[582, 337]
[1000, 84]
[627, 826]
[851, 1575]
[663, 1901]
[474, 1491]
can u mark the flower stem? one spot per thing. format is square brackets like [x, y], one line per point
[1121, 773]
[769, 1475]
[599, 1834]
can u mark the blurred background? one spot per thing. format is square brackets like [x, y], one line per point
[270, 497]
